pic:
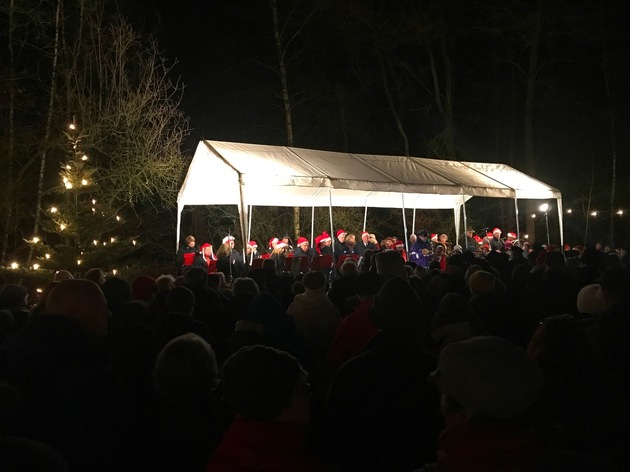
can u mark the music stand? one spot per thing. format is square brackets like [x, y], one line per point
[322, 262]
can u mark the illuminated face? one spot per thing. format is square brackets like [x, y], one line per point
[365, 238]
[328, 242]
[207, 251]
[497, 234]
[342, 237]
[231, 244]
[191, 244]
[304, 246]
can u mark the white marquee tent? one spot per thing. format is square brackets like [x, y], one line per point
[247, 175]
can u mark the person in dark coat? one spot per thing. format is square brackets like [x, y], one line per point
[186, 254]
[341, 248]
[205, 258]
[496, 243]
[180, 304]
[382, 413]
[303, 248]
[191, 417]
[364, 244]
[63, 372]
[229, 261]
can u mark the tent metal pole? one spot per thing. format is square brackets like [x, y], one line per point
[560, 223]
[332, 230]
[366, 209]
[179, 224]
[518, 228]
[313, 225]
[413, 223]
[242, 213]
[365, 214]
[465, 220]
[402, 195]
[249, 226]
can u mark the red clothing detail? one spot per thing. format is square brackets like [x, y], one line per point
[352, 335]
[261, 447]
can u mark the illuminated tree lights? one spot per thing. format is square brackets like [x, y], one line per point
[79, 229]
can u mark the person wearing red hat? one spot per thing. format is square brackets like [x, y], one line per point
[206, 258]
[252, 252]
[341, 247]
[272, 244]
[496, 243]
[303, 248]
[364, 244]
[325, 244]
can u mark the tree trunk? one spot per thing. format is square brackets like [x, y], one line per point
[286, 98]
[51, 101]
[390, 101]
[9, 193]
[528, 120]
[613, 149]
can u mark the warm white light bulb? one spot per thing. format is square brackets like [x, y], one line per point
[533, 215]
[14, 265]
[569, 211]
[84, 158]
[53, 209]
[79, 261]
[47, 256]
[62, 226]
[544, 207]
[620, 212]
[593, 213]
[84, 182]
[35, 266]
[35, 239]
[68, 185]
[72, 126]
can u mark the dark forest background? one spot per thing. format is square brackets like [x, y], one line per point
[541, 86]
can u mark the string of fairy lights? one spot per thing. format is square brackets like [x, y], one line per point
[73, 218]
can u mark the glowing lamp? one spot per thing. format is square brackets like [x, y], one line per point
[14, 265]
[35, 266]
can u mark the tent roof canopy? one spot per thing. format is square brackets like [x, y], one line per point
[261, 175]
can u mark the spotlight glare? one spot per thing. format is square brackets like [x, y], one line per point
[544, 207]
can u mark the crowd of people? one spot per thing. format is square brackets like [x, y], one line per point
[407, 356]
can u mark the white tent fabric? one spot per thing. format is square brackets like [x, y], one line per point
[260, 175]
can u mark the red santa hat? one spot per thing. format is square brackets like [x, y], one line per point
[273, 241]
[497, 230]
[488, 234]
[252, 244]
[281, 244]
[301, 240]
[434, 237]
[325, 237]
[228, 238]
[318, 239]
[477, 238]
[399, 244]
[511, 235]
[340, 232]
[204, 245]
[364, 232]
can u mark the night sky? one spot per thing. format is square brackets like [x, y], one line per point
[225, 55]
